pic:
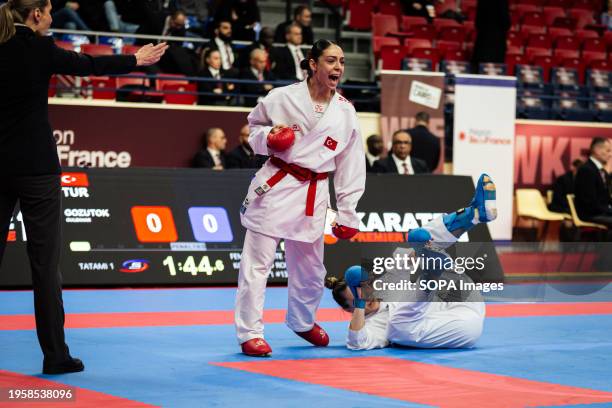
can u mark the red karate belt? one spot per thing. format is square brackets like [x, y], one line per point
[300, 173]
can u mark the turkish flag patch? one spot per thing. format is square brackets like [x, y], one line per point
[330, 143]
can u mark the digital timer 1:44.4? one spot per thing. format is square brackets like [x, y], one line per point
[189, 266]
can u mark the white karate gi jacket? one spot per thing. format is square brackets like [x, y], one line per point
[332, 143]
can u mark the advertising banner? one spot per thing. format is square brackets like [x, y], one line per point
[544, 150]
[404, 94]
[484, 138]
[182, 227]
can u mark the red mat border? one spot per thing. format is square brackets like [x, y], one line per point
[223, 317]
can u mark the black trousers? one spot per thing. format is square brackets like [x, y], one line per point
[39, 198]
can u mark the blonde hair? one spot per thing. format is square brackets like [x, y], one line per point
[16, 11]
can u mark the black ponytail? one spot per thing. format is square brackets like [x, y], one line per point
[315, 52]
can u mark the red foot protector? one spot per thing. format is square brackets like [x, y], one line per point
[78, 397]
[421, 383]
[316, 336]
[257, 348]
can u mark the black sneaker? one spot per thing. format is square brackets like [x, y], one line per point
[72, 365]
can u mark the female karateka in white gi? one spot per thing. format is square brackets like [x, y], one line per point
[309, 130]
[426, 322]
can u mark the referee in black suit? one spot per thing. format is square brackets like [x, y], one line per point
[28, 156]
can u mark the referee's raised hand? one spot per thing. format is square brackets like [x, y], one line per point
[150, 54]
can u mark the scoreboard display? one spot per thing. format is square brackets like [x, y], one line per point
[142, 226]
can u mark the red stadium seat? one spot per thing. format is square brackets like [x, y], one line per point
[455, 55]
[594, 44]
[529, 29]
[172, 93]
[533, 18]
[97, 49]
[65, 45]
[582, 35]
[563, 53]
[412, 43]
[546, 63]
[537, 3]
[589, 56]
[584, 4]
[430, 54]
[513, 49]
[423, 31]
[103, 87]
[169, 79]
[440, 23]
[515, 59]
[409, 21]
[392, 56]
[602, 65]
[608, 37]
[392, 7]
[564, 4]
[383, 24]
[567, 43]
[539, 41]
[554, 33]
[566, 22]
[378, 42]
[359, 14]
[522, 9]
[574, 63]
[444, 46]
[515, 38]
[550, 13]
[452, 34]
[583, 17]
[130, 49]
[530, 53]
[122, 81]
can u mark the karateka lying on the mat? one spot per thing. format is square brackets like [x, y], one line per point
[423, 321]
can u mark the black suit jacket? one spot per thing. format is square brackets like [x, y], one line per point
[204, 160]
[256, 89]
[210, 86]
[283, 65]
[239, 159]
[562, 186]
[592, 195]
[387, 165]
[425, 146]
[27, 62]
[279, 34]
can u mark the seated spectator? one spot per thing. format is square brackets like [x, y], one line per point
[256, 72]
[212, 156]
[211, 68]
[178, 59]
[425, 145]
[563, 186]
[606, 17]
[243, 157]
[196, 8]
[244, 16]
[399, 161]
[65, 15]
[421, 8]
[593, 202]
[116, 21]
[302, 16]
[286, 60]
[222, 41]
[266, 39]
[375, 149]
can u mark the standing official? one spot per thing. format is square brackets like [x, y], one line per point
[28, 155]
